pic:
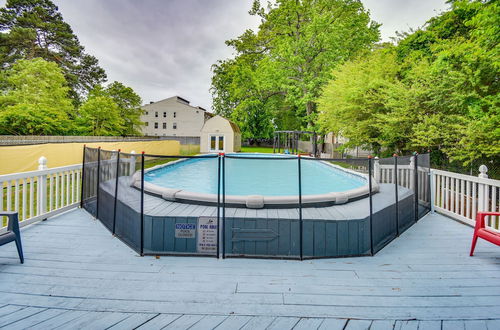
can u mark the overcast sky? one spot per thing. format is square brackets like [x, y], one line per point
[162, 48]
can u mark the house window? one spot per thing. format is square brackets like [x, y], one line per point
[156, 125]
[164, 125]
[175, 114]
[156, 114]
[147, 113]
[146, 124]
[175, 126]
[164, 115]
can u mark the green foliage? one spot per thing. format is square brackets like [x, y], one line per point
[43, 63]
[437, 89]
[129, 107]
[278, 72]
[35, 28]
[100, 115]
[35, 99]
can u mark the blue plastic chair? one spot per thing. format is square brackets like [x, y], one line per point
[13, 234]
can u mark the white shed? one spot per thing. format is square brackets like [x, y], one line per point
[220, 135]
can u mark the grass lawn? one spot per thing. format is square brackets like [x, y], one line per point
[265, 150]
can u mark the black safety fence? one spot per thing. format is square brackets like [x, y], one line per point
[90, 180]
[254, 205]
[177, 221]
[339, 189]
[261, 217]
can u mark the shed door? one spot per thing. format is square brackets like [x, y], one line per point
[216, 143]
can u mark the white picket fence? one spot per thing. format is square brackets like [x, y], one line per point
[40, 194]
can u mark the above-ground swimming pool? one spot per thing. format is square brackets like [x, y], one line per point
[179, 215]
[271, 181]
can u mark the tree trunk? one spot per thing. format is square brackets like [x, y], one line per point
[309, 111]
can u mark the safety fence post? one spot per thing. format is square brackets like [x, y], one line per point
[83, 176]
[98, 181]
[396, 192]
[223, 205]
[370, 172]
[301, 224]
[415, 179]
[142, 203]
[218, 206]
[116, 189]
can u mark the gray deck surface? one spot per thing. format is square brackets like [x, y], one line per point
[156, 206]
[76, 275]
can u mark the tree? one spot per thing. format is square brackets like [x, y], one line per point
[237, 97]
[35, 28]
[278, 72]
[305, 40]
[359, 102]
[99, 115]
[437, 89]
[35, 100]
[129, 107]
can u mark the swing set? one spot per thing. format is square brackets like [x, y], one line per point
[289, 141]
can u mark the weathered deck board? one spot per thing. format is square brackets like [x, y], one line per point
[77, 275]
[34, 319]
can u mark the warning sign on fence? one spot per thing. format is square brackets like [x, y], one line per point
[207, 235]
[185, 230]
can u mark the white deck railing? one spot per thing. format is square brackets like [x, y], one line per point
[40, 194]
[455, 195]
[405, 177]
[461, 196]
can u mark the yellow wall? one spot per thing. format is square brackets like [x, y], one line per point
[25, 158]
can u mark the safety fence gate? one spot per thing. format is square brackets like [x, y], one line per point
[254, 205]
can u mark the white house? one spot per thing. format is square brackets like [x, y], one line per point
[173, 117]
[220, 135]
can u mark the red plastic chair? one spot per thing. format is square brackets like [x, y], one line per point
[481, 231]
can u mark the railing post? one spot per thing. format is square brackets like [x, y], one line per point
[412, 167]
[482, 196]
[132, 164]
[376, 169]
[432, 184]
[42, 186]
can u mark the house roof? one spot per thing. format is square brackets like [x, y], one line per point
[180, 100]
[234, 126]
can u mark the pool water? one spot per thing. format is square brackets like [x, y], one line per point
[268, 177]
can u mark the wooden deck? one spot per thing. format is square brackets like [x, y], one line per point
[76, 275]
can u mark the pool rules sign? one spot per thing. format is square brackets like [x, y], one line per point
[207, 235]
